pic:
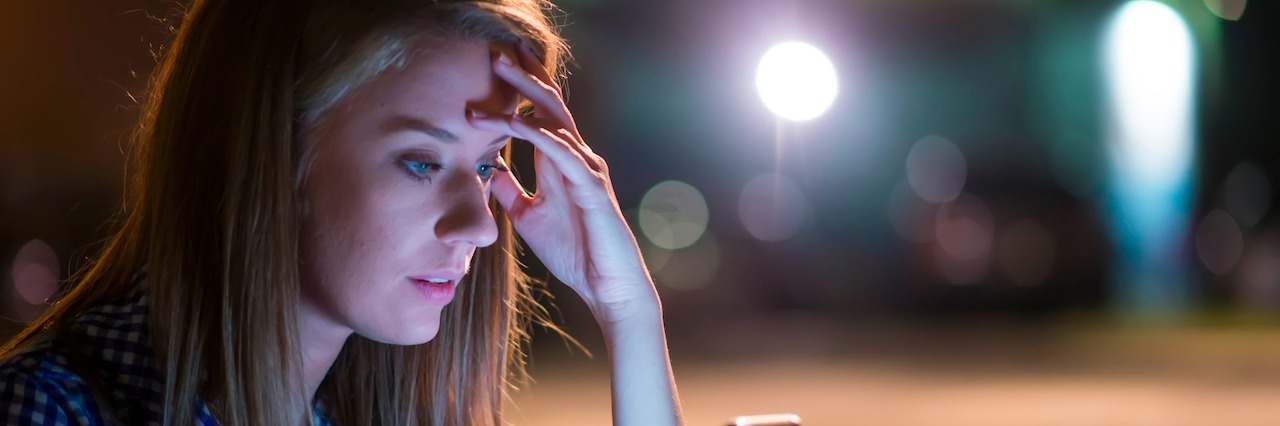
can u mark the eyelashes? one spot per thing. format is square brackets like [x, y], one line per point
[486, 170]
[422, 167]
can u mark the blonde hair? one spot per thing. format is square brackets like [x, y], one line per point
[213, 217]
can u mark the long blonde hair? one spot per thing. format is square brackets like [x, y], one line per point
[213, 209]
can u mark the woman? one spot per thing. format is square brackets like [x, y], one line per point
[319, 229]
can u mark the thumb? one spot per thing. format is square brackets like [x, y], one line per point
[510, 194]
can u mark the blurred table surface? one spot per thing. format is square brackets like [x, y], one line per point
[941, 373]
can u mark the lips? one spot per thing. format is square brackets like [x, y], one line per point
[435, 291]
[437, 286]
[453, 275]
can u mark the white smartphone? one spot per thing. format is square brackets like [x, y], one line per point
[785, 419]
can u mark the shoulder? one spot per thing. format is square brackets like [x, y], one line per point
[97, 369]
[36, 388]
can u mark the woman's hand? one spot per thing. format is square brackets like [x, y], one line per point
[573, 223]
[574, 226]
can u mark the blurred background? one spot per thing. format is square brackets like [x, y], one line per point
[890, 212]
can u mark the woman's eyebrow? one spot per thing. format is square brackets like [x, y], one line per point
[403, 122]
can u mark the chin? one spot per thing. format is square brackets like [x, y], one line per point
[403, 339]
[424, 332]
[417, 340]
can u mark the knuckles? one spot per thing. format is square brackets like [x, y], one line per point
[550, 89]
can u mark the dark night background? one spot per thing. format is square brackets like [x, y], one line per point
[1012, 303]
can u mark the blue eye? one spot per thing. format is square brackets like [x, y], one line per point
[485, 170]
[420, 169]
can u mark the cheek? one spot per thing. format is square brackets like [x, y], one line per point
[326, 212]
[330, 219]
[361, 223]
[342, 193]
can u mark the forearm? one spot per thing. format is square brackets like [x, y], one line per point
[644, 391]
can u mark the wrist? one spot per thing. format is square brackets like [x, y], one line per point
[644, 310]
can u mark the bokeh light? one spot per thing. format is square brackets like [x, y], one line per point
[1258, 278]
[1025, 252]
[796, 81]
[35, 276]
[965, 228]
[772, 207]
[936, 169]
[1149, 65]
[673, 215]
[1219, 242]
[654, 257]
[1150, 61]
[693, 267]
[961, 271]
[1230, 10]
[1246, 194]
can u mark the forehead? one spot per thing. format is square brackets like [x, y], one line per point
[441, 81]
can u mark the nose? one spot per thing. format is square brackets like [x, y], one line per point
[466, 218]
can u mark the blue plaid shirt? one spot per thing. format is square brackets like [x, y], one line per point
[47, 384]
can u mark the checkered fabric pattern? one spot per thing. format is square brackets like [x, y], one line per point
[107, 350]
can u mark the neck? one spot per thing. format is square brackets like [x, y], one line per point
[321, 342]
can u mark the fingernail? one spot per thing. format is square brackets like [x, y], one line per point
[477, 114]
[502, 57]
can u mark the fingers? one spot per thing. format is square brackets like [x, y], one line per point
[540, 90]
[533, 81]
[530, 62]
[510, 194]
[555, 145]
[551, 183]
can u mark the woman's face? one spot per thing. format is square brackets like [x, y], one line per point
[396, 196]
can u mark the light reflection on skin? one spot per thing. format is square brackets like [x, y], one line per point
[398, 187]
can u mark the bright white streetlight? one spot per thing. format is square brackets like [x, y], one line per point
[796, 81]
[1149, 60]
[1150, 66]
